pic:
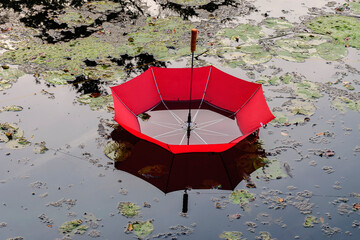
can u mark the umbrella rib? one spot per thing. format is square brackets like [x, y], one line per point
[183, 138]
[215, 133]
[164, 125]
[246, 102]
[203, 97]
[177, 118]
[161, 135]
[124, 104]
[199, 137]
[211, 123]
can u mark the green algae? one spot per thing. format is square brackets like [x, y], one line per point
[233, 235]
[140, 228]
[310, 221]
[344, 30]
[307, 90]
[243, 32]
[118, 152]
[73, 227]
[241, 197]
[11, 108]
[97, 102]
[277, 24]
[128, 209]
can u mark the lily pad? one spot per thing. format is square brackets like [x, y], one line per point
[57, 77]
[10, 74]
[40, 148]
[98, 102]
[118, 152]
[280, 118]
[344, 30]
[11, 108]
[233, 235]
[310, 221]
[5, 84]
[191, 2]
[331, 52]
[277, 23]
[272, 170]
[286, 78]
[257, 58]
[298, 107]
[128, 209]
[355, 6]
[243, 32]
[12, 135]
[140, 228]
[308, 90]
[73, 227]
[103, 6]
[74, 19]
[343, 103]
[241, 197]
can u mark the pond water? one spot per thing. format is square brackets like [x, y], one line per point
[59, 62]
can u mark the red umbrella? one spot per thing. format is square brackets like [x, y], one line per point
[162, 96]
[189, 110]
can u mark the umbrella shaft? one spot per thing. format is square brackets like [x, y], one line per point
[189, 115]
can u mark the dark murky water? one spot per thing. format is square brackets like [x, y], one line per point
[74, 178]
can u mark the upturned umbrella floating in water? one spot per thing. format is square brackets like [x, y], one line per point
[190, 110]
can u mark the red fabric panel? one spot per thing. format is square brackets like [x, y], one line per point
[174, 83]
[138, 94]
[123, 116]
[254, 114]
[198, 171]
[138, 134]
[200, 148]
[228, 92]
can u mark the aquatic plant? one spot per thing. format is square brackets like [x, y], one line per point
[128, 209]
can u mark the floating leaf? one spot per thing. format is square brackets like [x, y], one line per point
[234, 235]
[277, 24]
[140, 228]
[11, 108]
[73, 227]
[331, 52]
[310, 221]
[307, 90]
[40, 148]
[297, 107]
[128, 209]
[272, 170]
[57, 77]
[118, 152]
[344, 30]
[98, 103]
[241, 197]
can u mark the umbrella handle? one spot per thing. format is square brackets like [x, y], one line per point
[193, 39]
[185, 202]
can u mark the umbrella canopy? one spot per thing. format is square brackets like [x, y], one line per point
[153, 106]
[198, 170]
